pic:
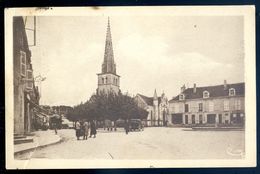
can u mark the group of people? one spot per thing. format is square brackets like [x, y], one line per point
[83, 127]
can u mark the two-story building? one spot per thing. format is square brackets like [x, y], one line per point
[210, 105]
[26, 94]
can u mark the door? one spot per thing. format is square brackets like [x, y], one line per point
[211, 118]
[186, 119]
[200, 119]
[177, 118]
[220, 118]
[193, 119]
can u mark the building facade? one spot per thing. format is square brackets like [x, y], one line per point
[220, 105]
[26, 95]
[157, 108]
[108, 80]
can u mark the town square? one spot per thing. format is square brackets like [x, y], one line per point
[130, 87]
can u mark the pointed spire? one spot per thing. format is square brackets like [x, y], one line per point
[155, 95]
[108, 65]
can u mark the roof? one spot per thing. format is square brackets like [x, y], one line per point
[214, 91]
[149, 100]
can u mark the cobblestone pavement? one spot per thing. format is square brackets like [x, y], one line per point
[152, 143]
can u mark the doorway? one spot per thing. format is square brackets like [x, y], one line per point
[186, 119]
[193, 119]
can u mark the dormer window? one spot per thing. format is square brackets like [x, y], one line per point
[205, 94]
[232, 92]
[181, 97]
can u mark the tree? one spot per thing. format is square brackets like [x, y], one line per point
[109, 106]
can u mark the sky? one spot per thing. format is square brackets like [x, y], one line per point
[150, 52]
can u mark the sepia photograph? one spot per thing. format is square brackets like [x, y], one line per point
[106, 86]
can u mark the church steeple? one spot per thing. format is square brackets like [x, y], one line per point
[155, 95]
[109, 65]
[108, 80]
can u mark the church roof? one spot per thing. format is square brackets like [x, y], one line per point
[108, 65]
[149, 100]
[214, 91]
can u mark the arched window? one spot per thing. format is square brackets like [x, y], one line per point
[181, 97]
[232, 92]
[103, 80]
[205, 94]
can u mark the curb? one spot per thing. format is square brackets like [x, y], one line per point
[37, 147]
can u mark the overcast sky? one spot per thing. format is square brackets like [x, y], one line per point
[151, 52]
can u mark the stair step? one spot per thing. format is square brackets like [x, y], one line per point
[19, 136]
[23, 140]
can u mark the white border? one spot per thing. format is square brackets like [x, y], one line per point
[250, 81]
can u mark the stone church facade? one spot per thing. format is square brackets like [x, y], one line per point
[157, 108]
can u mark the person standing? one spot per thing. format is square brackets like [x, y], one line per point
[93, 130]
[77, 127]
[55, 119]
[85, 130]
[126, 126]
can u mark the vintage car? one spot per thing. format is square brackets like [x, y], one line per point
[66, 124]
[136, 124]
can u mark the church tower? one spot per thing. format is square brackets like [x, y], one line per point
[108, 80]
[156, 109]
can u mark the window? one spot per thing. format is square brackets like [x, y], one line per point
[211, 106]
[103, 80]
[200, 107]
[29, 77]
[181, 97]
[23, 63]
[186, 107]
[226, 105]
[237, 105]
[232, 92]
[205, 94]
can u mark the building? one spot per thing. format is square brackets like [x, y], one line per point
[157, 108]
[108, 80]
[219, 105]
[26, 94]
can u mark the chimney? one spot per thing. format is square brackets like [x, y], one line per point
[194, 88]
[225, 85]
[183, 88]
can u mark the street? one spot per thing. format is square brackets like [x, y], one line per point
[152, 143]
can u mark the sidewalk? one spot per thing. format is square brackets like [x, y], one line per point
[40, 139]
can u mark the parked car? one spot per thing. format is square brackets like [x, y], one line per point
[66, 124]
[136, 124]
[120, 123]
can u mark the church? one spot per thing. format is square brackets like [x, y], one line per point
[108, 80]
[157, 108]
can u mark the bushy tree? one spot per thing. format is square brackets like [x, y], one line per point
[109, 106]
